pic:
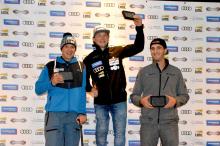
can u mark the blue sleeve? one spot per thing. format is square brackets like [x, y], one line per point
[43, 83]
[83, 105]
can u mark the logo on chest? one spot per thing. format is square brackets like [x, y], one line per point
[114, 63]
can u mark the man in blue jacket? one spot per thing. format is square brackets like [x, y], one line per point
[64, 81]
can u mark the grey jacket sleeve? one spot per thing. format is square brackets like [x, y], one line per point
[182, 93]
[137, 91]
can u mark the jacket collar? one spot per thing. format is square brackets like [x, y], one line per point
[166, 65]
[99, 50]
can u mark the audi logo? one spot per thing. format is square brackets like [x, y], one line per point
[151, 37]
[186, 132]
[26, 109]
[152, 16]
[27, 44]
[28, 22]
[186, 49]
[73, 13]
[26, 87]
[98, 69]
[109, 25]
[186, 69]
[76, 35]
[149, 58]
[189, 90]
[28, 1]
[27, 65]
[185, 112]
[186, 28]
[109, 4]
[186, 8]
[26, 131]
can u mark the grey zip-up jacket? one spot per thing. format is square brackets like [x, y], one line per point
[152, 81]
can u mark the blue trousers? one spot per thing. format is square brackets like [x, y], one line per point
[119, 117]
[61, 129]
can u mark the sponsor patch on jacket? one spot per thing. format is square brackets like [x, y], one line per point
[114, 63]
[98, 63]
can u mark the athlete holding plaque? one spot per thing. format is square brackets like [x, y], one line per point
[104, 66]
[159, 90]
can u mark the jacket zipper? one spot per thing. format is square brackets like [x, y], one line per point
[166, 82]
[158, 118]
[68, 109]
[107, 73]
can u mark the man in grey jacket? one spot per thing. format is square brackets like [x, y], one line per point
[159, 116]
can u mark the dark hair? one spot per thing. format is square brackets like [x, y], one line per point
[67, 34]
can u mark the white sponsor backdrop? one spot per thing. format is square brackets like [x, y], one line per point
[30, 34]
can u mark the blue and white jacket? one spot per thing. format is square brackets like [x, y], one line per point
[69, 96]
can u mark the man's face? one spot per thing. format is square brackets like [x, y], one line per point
[157, 52]
[68, 51]
[101, 39]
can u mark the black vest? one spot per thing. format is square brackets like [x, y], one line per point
[74, 68]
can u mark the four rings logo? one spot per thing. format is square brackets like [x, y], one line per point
[186, 69]
[26, 109]
[27, 65]
[25, 131]
[73, 13]
[186, 49]
[27, 44]
[98, 69]
[185, 112]
[28, 22]
[109, 4]
[186, 28]
[186, 8]
[28, 1]
[186, 132]
[75, 35]
[151, 37]
[26, 87]
[109, 25]
[152, 17]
